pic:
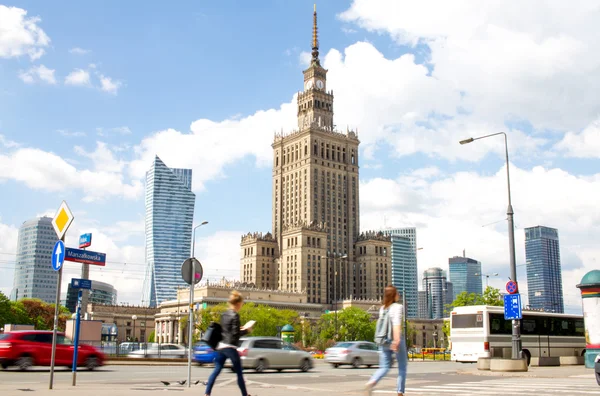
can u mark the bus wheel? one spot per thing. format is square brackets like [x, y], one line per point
[527, 356]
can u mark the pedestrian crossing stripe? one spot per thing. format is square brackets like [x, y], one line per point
[499, 387]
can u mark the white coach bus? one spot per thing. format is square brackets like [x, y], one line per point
[481, 331]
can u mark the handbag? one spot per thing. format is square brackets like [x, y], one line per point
[213, 335]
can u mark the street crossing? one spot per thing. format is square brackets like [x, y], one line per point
[505, 386]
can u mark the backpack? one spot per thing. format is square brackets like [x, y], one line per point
[213, 335]
[384, 331]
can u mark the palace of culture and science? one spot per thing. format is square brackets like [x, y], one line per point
[316, 246]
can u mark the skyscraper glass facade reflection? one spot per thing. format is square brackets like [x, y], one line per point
[404, 266]
[169, 218]
[101, 293]
[544, 275]
[34, 276]
[438, 293]
[465, 275]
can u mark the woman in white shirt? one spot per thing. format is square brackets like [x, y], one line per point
[391, 340]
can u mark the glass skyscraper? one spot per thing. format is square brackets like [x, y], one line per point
[544, 275]
[34, 276]
[465, 275]
[438, 293]
[101, 293]
[169, 218]
[404, 266]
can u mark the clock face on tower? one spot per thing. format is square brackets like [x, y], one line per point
[309, 84]
[319, 84]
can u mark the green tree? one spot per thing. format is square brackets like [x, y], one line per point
[354, 324]
[152, 336]
[492, 296]
[410, 335]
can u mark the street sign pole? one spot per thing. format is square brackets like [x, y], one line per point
[76, 341]
[55, 328]
[190, 327]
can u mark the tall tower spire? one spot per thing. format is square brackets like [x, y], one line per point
[315, 40]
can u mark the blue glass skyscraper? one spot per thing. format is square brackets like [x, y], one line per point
[544, 275]
[465, 275]
[169, 218]
[404, 266]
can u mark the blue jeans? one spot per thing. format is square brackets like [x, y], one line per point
[385, 362]
[222, 356]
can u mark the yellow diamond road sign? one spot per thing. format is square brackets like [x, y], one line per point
[62, 220]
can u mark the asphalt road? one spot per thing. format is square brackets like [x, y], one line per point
[424, 378]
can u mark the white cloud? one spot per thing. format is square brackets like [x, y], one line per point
[8, 247]
[8, 143]
[585, 144]
[219, 254]
[78, 77]
[109, 85]
[79, 51]
[41, 170]
[67, 133]
[464, 211]
[539, 62]
[212, 145]
[122, 130]
[304, 58]
[38, 73]
[103, 158]
[20, 35]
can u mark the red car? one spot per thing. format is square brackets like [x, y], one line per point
[28, 348]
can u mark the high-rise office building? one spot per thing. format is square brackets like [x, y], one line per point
[465, 275]
[316, 245]
[404, 266]
[34, 276]
[438, 293]
[544, 275]
[101, 293]
[169, 218]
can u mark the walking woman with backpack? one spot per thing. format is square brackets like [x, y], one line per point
[389, 338]
[227, 347]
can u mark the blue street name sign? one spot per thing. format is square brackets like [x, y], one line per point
[85, 241]
[85, 256]
[58, 255]
[512, 307]
[81, 283]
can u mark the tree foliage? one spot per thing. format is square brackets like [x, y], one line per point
[491, 296]
[31, 311]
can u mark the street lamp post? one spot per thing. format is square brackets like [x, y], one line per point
[516, 325]
[487, 277]
[335, 273]
[134, 317]
[191, 308]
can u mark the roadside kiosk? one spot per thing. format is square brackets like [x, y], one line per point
[590, 297]
[287, 334]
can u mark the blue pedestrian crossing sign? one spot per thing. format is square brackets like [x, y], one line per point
[58, 255]
[512, 307]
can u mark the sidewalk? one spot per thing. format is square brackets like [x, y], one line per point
[535, 372]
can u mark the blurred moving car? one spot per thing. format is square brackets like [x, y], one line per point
[162, 351]
[262, 353]
[28, 348]
[203, 354]
[317, 354]
[355, 353]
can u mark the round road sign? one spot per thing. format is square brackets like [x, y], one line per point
[191, 271]
[511, 287]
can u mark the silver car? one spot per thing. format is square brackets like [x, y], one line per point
[262, 353]
[355, 353]
[163, 351]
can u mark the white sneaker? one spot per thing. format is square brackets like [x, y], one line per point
[369, 388]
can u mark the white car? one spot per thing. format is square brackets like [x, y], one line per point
[160, 351]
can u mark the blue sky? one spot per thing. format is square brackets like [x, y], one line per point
[206, 84]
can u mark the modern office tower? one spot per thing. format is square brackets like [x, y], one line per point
[544, 275]
[101, 293]
[315, 236]
[422, 303]
[169, 218]
[34, 276]
[404, 266]
[438, 292]
[465, 275]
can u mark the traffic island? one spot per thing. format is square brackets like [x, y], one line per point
[508, 365]
[483, 363]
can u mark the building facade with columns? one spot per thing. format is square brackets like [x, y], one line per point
[132, 322]
[167, 321]
[316, 246]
